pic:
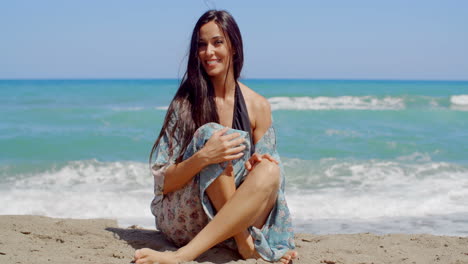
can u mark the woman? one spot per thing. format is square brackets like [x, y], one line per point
[217, 173]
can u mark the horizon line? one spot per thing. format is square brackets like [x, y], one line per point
[277, 79]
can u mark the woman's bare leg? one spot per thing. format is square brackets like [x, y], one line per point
[222, 189]
[242, 210]
[219, 192]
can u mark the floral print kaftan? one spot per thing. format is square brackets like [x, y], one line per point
[181, 214]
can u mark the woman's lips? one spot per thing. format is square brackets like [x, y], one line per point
[212, 62]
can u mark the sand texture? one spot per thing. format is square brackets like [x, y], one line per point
[37, 240]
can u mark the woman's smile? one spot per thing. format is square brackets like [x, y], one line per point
[213, 62]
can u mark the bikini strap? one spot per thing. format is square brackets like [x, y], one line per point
[240, 120]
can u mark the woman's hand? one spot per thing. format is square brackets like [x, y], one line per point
[256, 158]
[220, 147]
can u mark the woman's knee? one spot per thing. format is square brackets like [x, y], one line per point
[267, 175]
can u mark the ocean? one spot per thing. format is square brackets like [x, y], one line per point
[359, 155]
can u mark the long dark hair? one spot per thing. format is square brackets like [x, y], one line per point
[194, 102]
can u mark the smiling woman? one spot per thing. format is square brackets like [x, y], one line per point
[217, 173]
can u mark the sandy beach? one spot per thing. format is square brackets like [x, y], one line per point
[38, 239]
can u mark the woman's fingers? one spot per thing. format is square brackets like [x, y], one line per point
[141, 261]
[235, 156]
[237, 142]
[247, 165]
[222, 131]
[270, 158]
[236, 150]
[230, 137]
[217, 135]
[256, 158]
[232, 142]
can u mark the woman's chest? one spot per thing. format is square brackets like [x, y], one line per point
[225, 113]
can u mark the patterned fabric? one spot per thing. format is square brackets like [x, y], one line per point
[181, 214]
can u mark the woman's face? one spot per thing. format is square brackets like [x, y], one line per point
[214, 50]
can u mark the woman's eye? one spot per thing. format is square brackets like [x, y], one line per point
[201, 44]
[219, 42]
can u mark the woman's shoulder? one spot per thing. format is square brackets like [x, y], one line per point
[259, 111]
[257, 102]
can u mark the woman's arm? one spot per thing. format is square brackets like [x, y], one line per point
[262, 110]
[178, 174]
[262, 117]
[219, 148]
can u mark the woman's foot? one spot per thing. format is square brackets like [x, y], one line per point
[290, 255]
[246, 249]
[149, 256]
[245, 245]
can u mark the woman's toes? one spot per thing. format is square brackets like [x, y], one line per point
[285, 259]
[141, 261]
[137, 254]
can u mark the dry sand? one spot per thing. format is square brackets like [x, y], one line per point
[37, 240]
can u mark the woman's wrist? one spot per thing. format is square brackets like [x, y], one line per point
[201, 158]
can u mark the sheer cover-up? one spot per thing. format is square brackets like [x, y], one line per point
[181, 214]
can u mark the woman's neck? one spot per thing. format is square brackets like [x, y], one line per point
[224, 87]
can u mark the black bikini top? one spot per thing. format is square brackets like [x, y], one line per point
[240, 120]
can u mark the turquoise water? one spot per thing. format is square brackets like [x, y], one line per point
[380, 156]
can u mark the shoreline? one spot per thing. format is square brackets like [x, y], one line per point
[39, 239]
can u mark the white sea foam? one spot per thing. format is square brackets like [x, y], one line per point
[416, 156]
[127, 109]
[340, 102]
[343, 133]
[459, 99]
[459, 102]
[412, 186]
[373, 193]
[136, 108]
[83, 189]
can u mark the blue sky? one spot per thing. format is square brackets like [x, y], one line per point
[282, 39]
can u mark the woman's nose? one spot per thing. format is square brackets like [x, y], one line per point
[209, 49]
